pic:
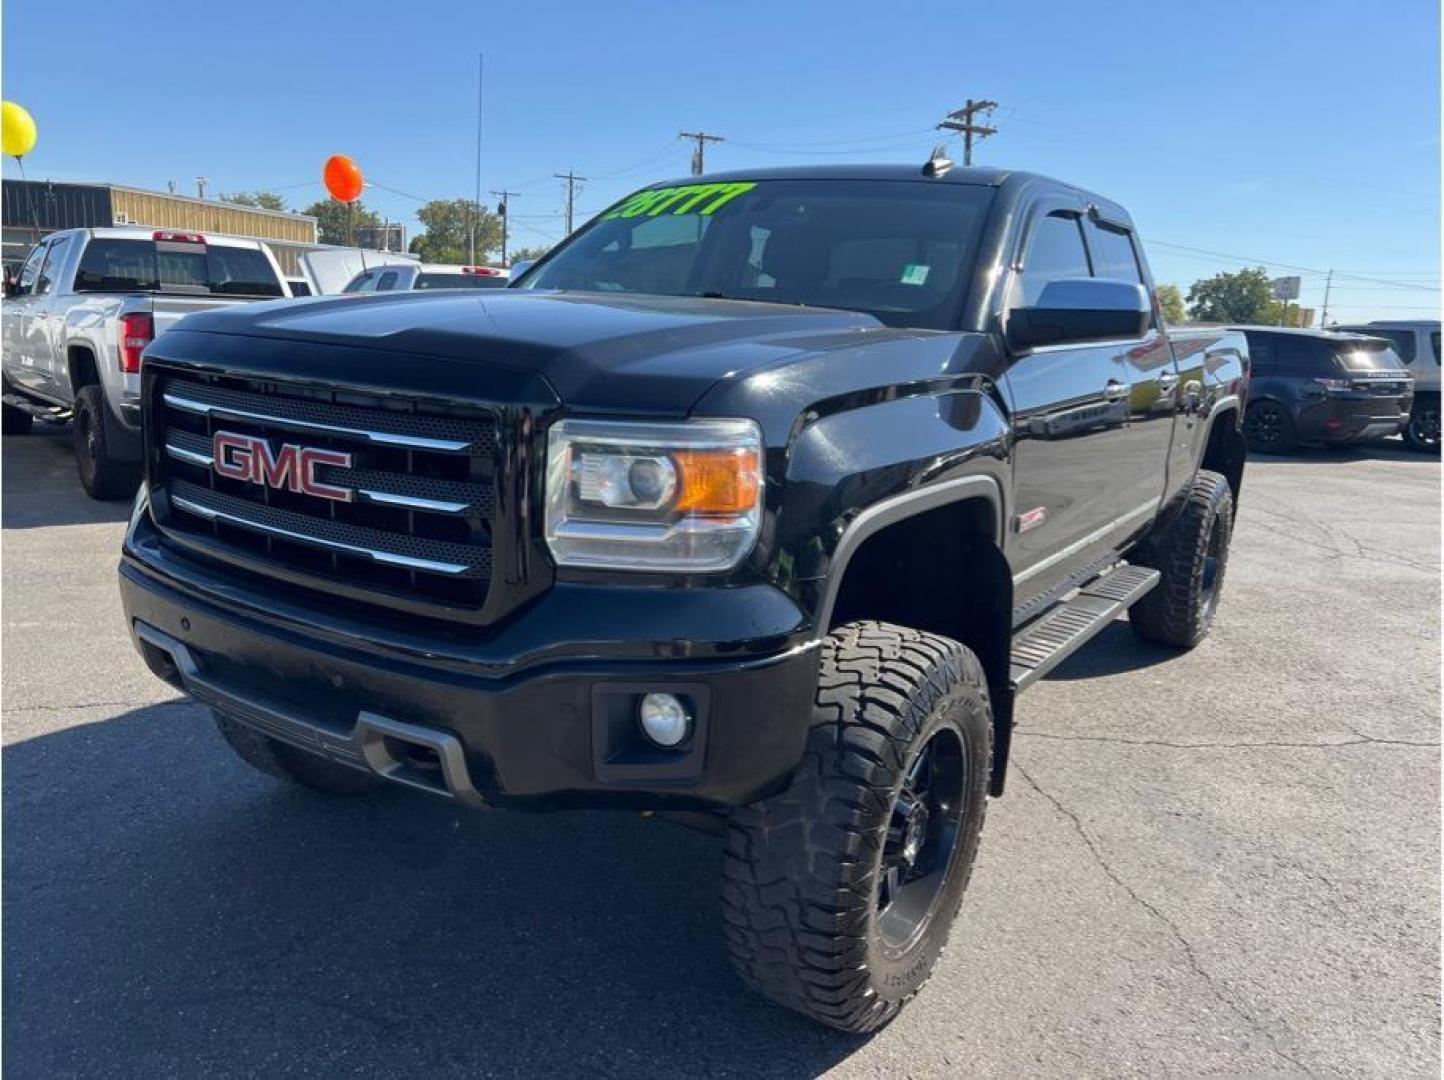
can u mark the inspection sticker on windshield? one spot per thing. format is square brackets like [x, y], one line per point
[703, 199]
[915, 274]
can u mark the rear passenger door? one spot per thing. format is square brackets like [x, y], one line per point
[1070, 411]
[1146, 366]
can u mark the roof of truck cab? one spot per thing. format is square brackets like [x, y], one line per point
[147, 232]
[985, 176]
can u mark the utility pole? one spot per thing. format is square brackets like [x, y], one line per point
[504, 212]
[572, 180]
[962, 120]
[699, 154]
[201, 183]
[476, 200]
[1328, 285]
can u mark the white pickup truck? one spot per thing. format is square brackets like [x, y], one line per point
[86, 304]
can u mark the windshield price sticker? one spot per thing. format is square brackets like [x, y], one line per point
[915, 274]
[703, 199]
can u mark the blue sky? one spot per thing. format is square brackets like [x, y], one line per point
[1284, 131]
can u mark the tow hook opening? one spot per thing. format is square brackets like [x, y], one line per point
[416, 756]
[160, 662]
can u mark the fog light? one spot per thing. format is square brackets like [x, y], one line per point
[665, 719]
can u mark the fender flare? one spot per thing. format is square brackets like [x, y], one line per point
[898, 508]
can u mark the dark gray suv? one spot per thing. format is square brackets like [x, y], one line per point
[1314, 386]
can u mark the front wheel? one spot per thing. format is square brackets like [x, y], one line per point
[1421, 433]
[1268, 428]
[839, 892]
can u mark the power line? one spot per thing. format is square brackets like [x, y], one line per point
[699, 163]
[1286, 266]
[962, 120]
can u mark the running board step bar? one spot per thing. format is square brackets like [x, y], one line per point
[55, 413]
[1050, 639]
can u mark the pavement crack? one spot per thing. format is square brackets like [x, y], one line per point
[1360, 739]
[97, 705]
[1185, 946]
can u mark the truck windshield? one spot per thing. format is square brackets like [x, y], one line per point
[110, 265]
[899, 250]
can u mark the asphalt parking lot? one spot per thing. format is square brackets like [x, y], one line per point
[1222, 863]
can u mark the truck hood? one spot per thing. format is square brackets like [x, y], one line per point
[582, 344]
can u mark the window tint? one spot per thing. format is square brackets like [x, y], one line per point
[1434, 340]
[459, 281]
[1113, 255]
[1287, 354]
[50, 272]
[897, 250]
[1402, 340]
[1055, 251]
[31, 270]
[199, 269]
[362, 283]
[387, 281]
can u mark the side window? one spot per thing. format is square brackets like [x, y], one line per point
[387, 282]
[1263, 359]
[1434, 340]
[1055, 250]
[53, 260]
[25, 285]
[362, 283]
[1113, 254]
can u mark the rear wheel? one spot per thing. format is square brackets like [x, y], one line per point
[295, 766]
[839, 892]
[1191, 556]
[101, 474]
[1268, 428]
[1421, 433]
[15, 421]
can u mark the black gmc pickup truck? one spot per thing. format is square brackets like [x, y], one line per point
[755, 504]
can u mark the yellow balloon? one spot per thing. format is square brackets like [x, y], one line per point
[17, 129]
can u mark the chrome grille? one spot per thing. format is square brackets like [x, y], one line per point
[418, 525]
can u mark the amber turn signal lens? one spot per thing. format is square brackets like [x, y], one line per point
[717, 481]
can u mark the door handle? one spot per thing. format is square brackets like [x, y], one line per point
[1168, 380]
[1115, 390]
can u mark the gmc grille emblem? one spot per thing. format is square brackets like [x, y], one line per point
[291, 466]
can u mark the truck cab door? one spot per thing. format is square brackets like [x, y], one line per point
[1147, 365]
[1070, 407]
[49, 313]
[21, 325]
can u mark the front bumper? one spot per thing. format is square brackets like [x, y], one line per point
[513, 726]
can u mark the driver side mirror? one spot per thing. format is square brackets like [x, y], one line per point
[1080, 310]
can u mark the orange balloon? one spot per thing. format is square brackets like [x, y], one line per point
[343, 178]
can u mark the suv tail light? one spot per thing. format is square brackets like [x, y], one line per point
[137, 330]
[481, 271]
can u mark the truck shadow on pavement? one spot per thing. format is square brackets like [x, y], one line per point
[1115, 650]
[168, 911]
[41, 486]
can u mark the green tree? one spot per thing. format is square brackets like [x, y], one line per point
[266, 200]
[1171, 300]
[1241, 297]
[535, 252]
[447, 224]
[334, 218]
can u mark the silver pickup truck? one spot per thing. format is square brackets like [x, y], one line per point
[85, 305]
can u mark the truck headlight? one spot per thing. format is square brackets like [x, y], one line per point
[653, 496]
